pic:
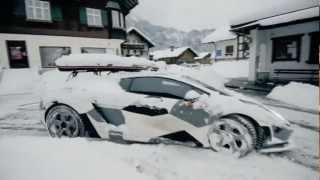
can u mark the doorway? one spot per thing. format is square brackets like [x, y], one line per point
[17, 53]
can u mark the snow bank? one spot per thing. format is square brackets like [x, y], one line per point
[44, 158]
[299, 94]
[230, 69]
[16, 81]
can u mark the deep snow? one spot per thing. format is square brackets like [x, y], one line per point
[45, 158]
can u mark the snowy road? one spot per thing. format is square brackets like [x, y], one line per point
[27, 152]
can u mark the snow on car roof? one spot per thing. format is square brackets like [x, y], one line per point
[101, 60]
[220, 34]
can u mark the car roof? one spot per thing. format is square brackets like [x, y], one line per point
[154, 74]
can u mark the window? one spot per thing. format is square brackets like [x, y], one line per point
[286, 48]
[50, 54]
[218, 53]
[38, 10]
[88, 50]
[94, 17]
[161, 87]
[314, 48]
[17, 54]
[229, 51]
[117, 19]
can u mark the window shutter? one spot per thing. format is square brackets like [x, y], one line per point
[83, 16]
[56, 13]
[104, 17]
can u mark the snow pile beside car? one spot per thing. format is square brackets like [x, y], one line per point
[48, 159]
[299, 94]
[18, 81]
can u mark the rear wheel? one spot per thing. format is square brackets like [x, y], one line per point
[63, 121]
[234, 135]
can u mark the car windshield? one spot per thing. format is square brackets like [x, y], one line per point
[204, 84]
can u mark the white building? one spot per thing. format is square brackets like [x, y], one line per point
[283, 47]
[224, 44]
[34, 33]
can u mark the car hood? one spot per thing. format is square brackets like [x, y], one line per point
[236, 103]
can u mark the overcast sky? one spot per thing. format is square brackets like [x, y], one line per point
[200, 14]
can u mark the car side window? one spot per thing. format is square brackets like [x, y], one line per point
[125, 83]
[160, 87]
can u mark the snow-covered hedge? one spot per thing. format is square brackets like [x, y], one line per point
[299, 94]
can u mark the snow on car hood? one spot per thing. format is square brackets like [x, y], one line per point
[218, 105]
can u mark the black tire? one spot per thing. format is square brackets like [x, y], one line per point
[234, 134]
[63, 121]
[250, 127]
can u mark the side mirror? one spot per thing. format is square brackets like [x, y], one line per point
[192, 96]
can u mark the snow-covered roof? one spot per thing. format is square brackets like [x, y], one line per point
[282, 18]
[220, 34]
[168, 53]
[203, 55]
[142, 35]
[101, 60]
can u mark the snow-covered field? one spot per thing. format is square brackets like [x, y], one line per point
[43, 158]
[26, 151]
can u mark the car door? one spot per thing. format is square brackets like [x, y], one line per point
[150, 116]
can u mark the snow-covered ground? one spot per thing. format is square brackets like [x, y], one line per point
[17, 81]
[299, 94]
[44, 158]
[26, 151]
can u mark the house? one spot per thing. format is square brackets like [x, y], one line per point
[137, 44]
[34, 33]
[225, 45]
[175, 55]
[283, 47]
[204, 58]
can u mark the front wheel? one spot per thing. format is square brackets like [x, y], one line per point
[233, 135]
[63, 121]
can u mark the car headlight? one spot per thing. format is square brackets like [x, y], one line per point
[281, 133]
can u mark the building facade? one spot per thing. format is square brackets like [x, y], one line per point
[284, 47]
[34, 33]
[137, 44]
[226, 45]
[175, 55]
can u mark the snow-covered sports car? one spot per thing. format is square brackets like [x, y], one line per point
[153, 106]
